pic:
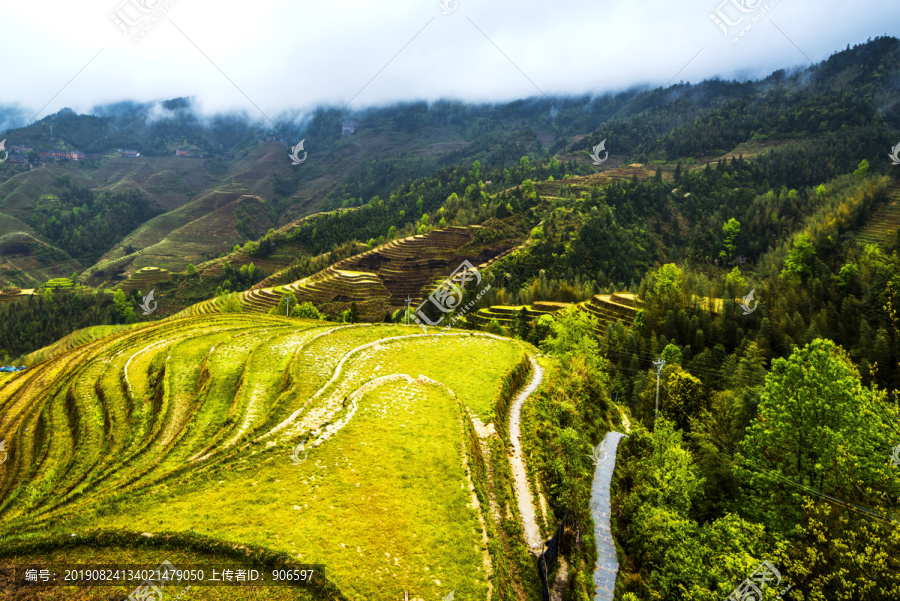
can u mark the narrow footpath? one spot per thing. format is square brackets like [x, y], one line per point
[520, 476]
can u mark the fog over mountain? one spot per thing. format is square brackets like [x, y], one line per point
[270, 57]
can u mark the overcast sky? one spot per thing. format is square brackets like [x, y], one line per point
[271, 56]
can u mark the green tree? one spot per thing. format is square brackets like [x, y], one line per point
[494, 327]
[731, 230]
[735, 284]
[843, 556]
[306, 310]
[671, 355]
[525, 168]
[231, 304]
[668, 280]
[124, 307]
[682, 399]
[522, 324]
[287, 303]
[820, 428]
[677, 557]
[800, 259]
[475, 172]
[573, 333]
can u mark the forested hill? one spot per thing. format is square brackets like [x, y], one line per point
[756, 152]
[850, 96]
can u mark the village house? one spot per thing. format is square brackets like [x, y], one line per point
[349, 128]
[272, 138]
[62, 155]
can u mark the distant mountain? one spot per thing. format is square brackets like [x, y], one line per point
[228, 179]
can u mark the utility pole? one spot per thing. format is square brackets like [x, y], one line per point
[408, 301]
[287, 310]
[658, 364]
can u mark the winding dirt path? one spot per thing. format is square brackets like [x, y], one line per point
[520, 476]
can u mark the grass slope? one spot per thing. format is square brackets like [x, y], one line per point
[188, 426]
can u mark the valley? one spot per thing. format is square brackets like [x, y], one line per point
[459, 352]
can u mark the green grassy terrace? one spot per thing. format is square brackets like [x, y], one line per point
[189, 426]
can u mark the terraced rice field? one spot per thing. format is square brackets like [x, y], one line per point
[621, 306]
[336, 445]
[884, 222]
[144, 279]
[578, 184]
[390, 272]
[508, 315]
[379, 280]
[73, 340]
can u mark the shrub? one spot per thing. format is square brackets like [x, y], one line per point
[494, 327]
[231, 304]
[306, 310]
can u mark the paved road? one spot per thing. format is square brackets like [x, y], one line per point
[607, 566]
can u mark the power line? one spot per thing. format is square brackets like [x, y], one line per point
[702, 371]
[808, 489]
[804, 487]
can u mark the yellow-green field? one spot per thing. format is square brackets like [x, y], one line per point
[346, 446]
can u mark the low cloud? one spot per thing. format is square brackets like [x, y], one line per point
[266, 59]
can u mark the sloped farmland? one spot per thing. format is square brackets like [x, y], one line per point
[344, 446]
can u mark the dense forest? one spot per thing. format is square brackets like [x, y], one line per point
[43, 319]
[85, 224]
